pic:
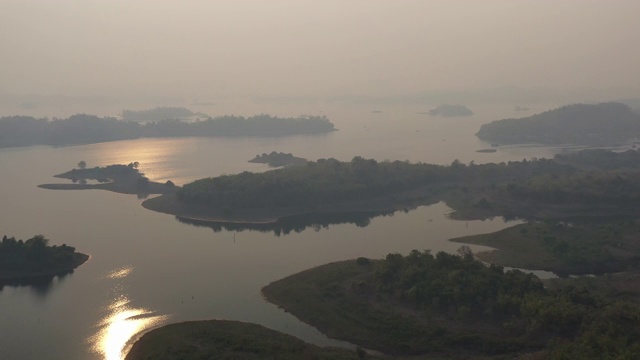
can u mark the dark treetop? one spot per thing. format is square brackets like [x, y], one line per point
[35, 258]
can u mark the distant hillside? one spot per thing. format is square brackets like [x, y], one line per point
[583, 124]
[88, 129]
[157, 114]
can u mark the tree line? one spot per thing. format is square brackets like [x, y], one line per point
[86, 129]
[328, 181]
[569, 321]
[33, 255]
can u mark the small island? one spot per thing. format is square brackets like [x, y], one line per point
[451, 111]
[35, 259]
[278, 159]
[580, 124]
[125, 179]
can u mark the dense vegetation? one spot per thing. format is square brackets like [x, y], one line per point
[588, 247]
[34, 257]
[456, 305]
[229, 340]
[86, 129]
[328, 181]
[601, 124]
[600, 159]
[585, 184]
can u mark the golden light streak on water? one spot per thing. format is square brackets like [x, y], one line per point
[120, 326]
[151, 154]
[121, 323]
[120, 273]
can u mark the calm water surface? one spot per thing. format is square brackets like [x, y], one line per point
[148, 269]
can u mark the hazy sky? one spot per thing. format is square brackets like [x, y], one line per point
[208, 48]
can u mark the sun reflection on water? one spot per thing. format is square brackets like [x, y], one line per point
[120, 273]
[121, 323]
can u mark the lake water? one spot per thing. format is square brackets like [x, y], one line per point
[148, 269]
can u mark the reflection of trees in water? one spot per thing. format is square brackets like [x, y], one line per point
[296, 223]
[40, 286]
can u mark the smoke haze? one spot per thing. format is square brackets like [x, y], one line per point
[199, 50]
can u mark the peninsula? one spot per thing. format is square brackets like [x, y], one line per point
[588, 183]
[445, 306]
[125, 179]
[35, 259]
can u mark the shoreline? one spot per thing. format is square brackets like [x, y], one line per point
[168, 204]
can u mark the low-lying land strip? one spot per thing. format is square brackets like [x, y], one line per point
[124, 179]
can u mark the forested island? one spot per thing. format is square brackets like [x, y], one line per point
[278, 159]
[87, 129]
[125, 179]
[583, 124]
[450, 111]
[35, 259]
